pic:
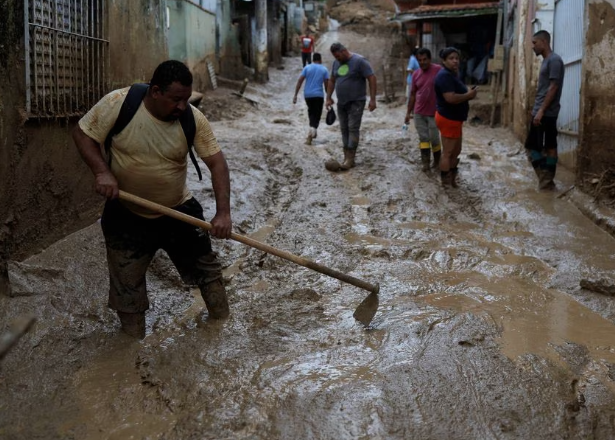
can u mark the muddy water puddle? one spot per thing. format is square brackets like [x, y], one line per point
[535, 322]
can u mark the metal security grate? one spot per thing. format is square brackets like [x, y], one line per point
[66, 56]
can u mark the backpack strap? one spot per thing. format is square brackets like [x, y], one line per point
[129, 108]
[189, 126]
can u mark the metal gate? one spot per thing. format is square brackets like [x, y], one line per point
[568, 36]
[66, 56]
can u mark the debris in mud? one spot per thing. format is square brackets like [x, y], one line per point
[606, 287]
[333, 165]
[282, 121]
[362, 12]
[471, 342]
[18, 327]
[474, 156]
[29, 280]
[221, 105]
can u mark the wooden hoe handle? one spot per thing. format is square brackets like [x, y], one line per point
[373, 288]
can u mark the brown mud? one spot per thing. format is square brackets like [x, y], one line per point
[483, 330]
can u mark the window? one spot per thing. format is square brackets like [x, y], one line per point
[66, 56]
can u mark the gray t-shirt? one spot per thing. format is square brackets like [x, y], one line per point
[551, 69]
[350, 79]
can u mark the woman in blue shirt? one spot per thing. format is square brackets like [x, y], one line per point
[452, 109]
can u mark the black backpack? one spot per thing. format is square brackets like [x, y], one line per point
[129, 108]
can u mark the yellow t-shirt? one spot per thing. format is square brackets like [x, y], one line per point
[149, 156]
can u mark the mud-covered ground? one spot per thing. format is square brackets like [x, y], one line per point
[483, 329]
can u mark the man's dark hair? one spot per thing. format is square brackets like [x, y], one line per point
[317, 56]
[543, 35]
[424, 51]
[445, 53]
[337, 47]
[169, 72]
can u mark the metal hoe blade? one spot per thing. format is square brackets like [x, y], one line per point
[367, 309]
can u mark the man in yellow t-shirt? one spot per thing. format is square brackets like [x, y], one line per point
[148, 159]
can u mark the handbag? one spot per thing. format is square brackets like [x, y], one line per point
[330, 116]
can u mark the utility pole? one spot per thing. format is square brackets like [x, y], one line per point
[262, 58]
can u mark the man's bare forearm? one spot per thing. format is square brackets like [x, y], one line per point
[549, 97]
[372, 87]
[330, 88]
[221, 184]
[411, 103]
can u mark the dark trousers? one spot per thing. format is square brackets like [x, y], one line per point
[315, 106]
[541, 142]
[132, 242]
[544, 136]
[306, 58]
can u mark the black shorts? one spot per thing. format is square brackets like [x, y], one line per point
[132, 241]
[543, 136]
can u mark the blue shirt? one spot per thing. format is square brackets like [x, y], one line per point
[446, 82]
[413, 65]
[315, 75]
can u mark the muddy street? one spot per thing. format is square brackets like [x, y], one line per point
[483, 330]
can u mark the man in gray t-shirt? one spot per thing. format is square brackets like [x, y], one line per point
[541, 142]
[349, 75]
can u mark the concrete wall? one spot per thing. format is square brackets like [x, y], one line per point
[597, 149]
[192, 38]
[274, 33]
[12, 104]
[137, 40]
[46, 191]
[523, 70]
[229, 55]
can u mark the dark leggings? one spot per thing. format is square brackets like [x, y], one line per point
[315, 106]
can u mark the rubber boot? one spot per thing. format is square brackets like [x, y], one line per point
[545, 181]
[445, 176]
[436, 159]
[454, 172]
[314, 132]
[214, 295]
[425, 158]
[348, 159]
[133, 324]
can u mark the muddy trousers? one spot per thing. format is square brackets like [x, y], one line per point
[541, 148]
[350, 114]
[429, 139]
[315, 106]
[429, 135]
[132, 241]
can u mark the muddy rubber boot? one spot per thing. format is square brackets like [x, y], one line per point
[133, 324]
[445, 176]
[454, 172]
[425, 158]
[214, 295]
[333, 165]
[545, 180]
[314, 132]
[348, 159]
[436, 159]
